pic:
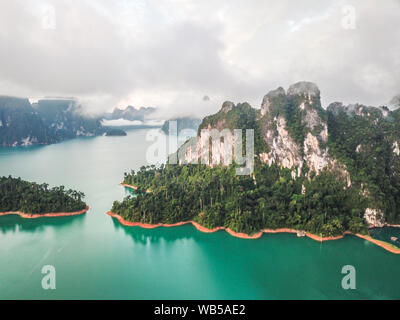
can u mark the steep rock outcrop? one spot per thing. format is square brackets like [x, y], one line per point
[395, 102]
[275, 98]
[47, 121]
[65, 119]
[299, 135]
[374, 218]
[183, 123]
[290, 131]
[20, 124]
[366, 138]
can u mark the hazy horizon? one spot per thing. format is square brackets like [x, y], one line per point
[173, 54]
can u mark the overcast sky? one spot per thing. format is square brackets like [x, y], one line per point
[170, 54]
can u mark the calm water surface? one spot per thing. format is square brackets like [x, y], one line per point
[97, 258]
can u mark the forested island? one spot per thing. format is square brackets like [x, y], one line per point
[215, 197]
[30, 198]
[323, 171]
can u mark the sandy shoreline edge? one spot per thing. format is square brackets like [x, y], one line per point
[132, 187]
[257, 235]
[254, 236]
[48, 215]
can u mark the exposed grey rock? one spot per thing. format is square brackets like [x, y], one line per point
[304, 88]
[45, 122]
[271, 98]
[356, 109]
[227, 106]
[275, 93]
[336, 107]
[395, 102]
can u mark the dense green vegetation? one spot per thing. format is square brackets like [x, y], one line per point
[295, 118]
[217, 197]
[241, 116]
[66, 119]
[30, 197]
[364, 142]
[361, 140]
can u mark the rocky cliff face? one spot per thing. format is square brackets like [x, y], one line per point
[296, 132]
[367, 138]
[291, 128]
[65, 119]
[395, 102]
[48, 121]
[222, 124]
[183, 123]
[374, 217]
[359, 144]
[20, 124]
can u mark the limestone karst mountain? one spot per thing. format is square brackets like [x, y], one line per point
[293, 131]
[395, 102]
[130, 113]
[47, 121]
[182, 123]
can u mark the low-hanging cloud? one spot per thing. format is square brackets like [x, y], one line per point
[170, 54]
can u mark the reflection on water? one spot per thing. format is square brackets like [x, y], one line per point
[130, 192]
[14, 223]
[9, 151]
[155, 236]
[97, 257]
[386, 234]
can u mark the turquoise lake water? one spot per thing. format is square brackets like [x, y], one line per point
[97, 258]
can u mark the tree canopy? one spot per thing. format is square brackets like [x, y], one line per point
[217, 197]
[30, 197]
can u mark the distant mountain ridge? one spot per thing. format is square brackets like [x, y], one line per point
[359, 144]
[130, 113]
[395, 102]
[181, 124]
[45, 122]
[321, 171]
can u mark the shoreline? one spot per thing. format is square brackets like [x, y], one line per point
[386, 225]
[199, 227]
[257, 235]
[44, 215]
[132, 187]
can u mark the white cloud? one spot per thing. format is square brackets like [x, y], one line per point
[169, 54]
[129, 123]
